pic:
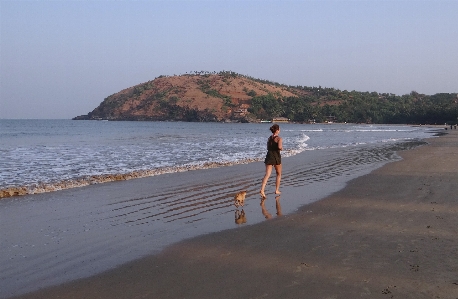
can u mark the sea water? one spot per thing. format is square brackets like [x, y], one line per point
[54, 237]
[48, 155]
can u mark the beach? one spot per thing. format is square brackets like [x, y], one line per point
[390, 233]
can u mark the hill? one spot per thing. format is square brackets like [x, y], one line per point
[193, 97]
[228, 96]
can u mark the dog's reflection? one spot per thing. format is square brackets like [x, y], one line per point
[240, 217]
[266, 213]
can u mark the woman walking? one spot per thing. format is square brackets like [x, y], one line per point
[273, 159]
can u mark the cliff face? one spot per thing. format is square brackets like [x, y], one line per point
[197, 97]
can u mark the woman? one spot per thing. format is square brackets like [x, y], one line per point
[273, 159]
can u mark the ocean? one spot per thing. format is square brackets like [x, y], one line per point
[85, 213]
[48, 155]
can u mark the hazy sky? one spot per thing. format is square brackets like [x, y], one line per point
[60, 59]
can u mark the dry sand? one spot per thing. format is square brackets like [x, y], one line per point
[389, 234]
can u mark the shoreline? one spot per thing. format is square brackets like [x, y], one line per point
[65, 183]
[248, 234]
[107, 178]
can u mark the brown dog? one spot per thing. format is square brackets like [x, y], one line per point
[239, 199]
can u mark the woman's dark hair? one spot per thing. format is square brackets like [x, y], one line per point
[274, 128]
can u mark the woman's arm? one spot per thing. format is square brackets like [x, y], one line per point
[280, 143]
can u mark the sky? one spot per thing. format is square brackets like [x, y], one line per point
[60, 59]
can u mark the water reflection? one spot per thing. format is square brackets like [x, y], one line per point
[278, 206]
[265, 212]
[240, 217]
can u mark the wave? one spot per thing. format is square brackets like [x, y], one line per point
[305, 130]
[381, 130]
[105, 178]
[300, 142]
[82, 181]
[345, 145]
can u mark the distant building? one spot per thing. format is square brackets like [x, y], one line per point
[241, 111]
[280, 120]
[330, 119]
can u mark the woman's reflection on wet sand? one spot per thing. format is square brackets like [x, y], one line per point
[266, 213]
[277, 205]
[240, 216]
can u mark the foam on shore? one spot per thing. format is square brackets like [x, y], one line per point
[105, 178]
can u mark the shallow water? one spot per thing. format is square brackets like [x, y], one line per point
[48, 155]
[55, 237]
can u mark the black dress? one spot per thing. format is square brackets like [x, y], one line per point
[273, 156]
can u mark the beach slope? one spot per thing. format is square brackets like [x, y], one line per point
[390, 234]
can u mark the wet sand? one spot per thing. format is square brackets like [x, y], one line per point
[388, 234]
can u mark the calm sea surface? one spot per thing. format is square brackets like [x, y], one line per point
[47, 155]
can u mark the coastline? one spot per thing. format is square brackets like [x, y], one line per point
[137, 158]
[234, 260]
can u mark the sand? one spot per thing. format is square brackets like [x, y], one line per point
[388, 234]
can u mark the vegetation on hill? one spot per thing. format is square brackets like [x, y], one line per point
[204, 96]
[360, 107]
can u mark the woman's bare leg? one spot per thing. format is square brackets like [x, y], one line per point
[278, 179]
[264, 180]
